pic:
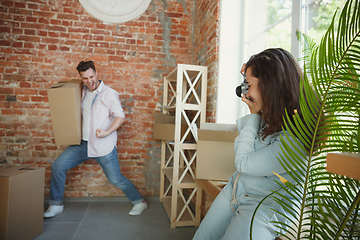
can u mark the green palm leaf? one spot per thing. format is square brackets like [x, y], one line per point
[330, 107]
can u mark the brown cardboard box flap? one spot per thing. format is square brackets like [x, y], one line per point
[219, 136]
[164, 118]
[164, 127]
[70, 83]
[8, 172]
[215, 151]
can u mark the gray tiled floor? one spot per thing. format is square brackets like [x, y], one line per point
[108, 219]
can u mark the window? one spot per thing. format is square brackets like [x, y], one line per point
[250, 26]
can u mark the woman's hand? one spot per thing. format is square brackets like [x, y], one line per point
[253, 96]
[252, 106]
[243, 68]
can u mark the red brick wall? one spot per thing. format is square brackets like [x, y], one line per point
[206, 47]
[42, 41]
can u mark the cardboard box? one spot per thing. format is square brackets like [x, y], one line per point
[215, 151]
[65, 109]
[345, 164]
[21, 202]
[164, 127]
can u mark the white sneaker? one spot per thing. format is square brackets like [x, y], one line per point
[138, 208]
[53, 210]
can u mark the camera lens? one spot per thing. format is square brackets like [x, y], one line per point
[243, 87]
[238, 91]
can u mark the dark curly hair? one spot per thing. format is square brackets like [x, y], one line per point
[83, 66]
[279, 84]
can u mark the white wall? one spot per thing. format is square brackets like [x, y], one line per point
[229, 106]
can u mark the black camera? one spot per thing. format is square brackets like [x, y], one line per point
[242, 88]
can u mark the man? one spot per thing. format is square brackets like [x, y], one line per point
[102, 115]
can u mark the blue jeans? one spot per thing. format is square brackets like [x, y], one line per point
[221, 222]
[76, 154]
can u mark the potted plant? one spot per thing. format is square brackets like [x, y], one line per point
[330, 106]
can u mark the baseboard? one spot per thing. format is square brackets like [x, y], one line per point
[104, 199]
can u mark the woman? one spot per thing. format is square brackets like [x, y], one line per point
[273, 77]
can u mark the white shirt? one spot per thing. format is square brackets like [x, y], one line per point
[105, 108]
[87, 102]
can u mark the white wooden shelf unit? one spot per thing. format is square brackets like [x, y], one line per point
[185, 97]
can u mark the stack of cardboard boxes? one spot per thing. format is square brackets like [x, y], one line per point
[22, 187]
[215, 146]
